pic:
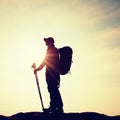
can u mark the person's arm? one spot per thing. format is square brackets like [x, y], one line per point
[39, 68]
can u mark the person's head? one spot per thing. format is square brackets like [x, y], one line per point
[49, 41]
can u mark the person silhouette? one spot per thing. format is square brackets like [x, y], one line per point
[51, 61]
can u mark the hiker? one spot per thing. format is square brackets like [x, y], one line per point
[51, 61]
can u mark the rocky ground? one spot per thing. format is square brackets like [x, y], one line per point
[65, 116]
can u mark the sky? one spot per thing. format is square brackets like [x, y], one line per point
[90, 27]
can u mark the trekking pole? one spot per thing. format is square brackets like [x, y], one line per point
[38, 86]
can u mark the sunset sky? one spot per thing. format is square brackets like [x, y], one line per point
[90, 27]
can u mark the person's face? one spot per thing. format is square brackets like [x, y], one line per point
[47, 43]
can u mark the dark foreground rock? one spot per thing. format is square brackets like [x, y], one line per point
[65, 116]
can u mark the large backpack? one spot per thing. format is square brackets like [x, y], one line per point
[65, 59]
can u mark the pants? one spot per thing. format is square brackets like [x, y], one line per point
[53, 89]
[55, 98]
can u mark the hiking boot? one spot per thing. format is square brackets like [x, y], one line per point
[59, 110]
[52, 110]
[49, 110]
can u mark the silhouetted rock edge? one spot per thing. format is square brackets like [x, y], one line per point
[65, 116]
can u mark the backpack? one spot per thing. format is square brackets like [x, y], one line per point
[65, 59]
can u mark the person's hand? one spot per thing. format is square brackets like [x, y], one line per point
[35, 71]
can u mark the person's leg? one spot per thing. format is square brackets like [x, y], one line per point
[56, 100]
[55, 97]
